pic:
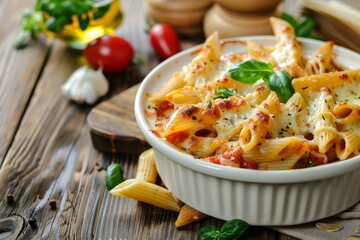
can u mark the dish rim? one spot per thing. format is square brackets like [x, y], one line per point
[231, 173]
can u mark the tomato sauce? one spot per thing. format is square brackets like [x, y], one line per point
[177, 138]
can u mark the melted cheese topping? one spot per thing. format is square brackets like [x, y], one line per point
[320, 123]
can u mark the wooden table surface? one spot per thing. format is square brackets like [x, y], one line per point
[46, 154]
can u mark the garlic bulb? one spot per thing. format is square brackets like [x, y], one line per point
[85, 85]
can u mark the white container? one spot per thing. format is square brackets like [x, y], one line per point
[260, 197]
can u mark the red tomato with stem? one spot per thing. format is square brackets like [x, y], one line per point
[164, 40]
[110, 53]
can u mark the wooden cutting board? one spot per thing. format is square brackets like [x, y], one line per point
[113, 127]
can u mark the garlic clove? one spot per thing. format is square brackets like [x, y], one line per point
[85, 85]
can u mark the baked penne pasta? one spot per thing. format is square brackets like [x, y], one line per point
[287, 53]
[324, 125]
[259, 123]
[321, 61]
[347, 145]
[250, 126]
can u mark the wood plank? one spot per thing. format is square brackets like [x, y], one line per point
[19, 70]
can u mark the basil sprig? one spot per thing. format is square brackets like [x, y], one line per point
[62, 12]
[231, 230]
[303, 27]
[251, 71]
[30, 28]
[114, 176]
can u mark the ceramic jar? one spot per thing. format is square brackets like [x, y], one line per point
[240, 18]
[184, 16]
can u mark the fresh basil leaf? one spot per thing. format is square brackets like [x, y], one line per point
[306, 26]
[224, 92]
[280, 83]
[209, 232]
[290, 19]
[76, 7]
[38, 5]
[114, 176]
[251, 71]
[55, 24]
[233, 229]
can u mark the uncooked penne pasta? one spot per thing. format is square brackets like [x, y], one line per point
[188, 215]
[146, 192]
[146, 170]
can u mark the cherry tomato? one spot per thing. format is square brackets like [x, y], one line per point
[164, 40]
[111, 53]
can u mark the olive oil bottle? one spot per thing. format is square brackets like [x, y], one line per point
[84, 23]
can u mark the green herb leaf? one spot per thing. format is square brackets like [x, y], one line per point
[224, 92]
[303, 28]
[30, 28]
[55, 24]
[306, 26]
[251, 71]
[61, 12]
[114, 176]
[290, 19]
[75, 7]
[233, 229]
[137, 60]
[280, 83]
[309, 163]
[22, 39]
[209, 232]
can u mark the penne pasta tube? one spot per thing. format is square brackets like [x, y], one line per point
[188, 215]
[176, 82]
[321, 60]
[146, 192]
[257, 126]
[333, 80]
[277, 149]
[287, 53]
[347, 113]
[347, 144]
[325, 137]
[287, 163]
[146, 170]
[258, 52]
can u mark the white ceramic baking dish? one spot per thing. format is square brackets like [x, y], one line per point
[260, 197]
